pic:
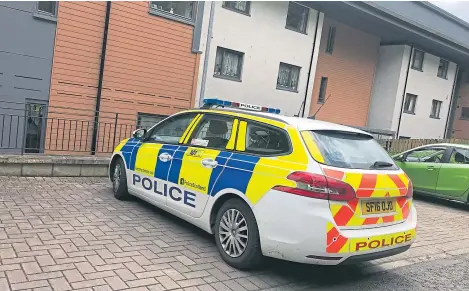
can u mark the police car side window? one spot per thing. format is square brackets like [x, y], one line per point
[266, 140]
[214, 131]
[171, 130]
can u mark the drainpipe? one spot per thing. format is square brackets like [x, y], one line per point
[207, 52]
[100, 80]
[310, 66]
[452, 104]
[403, 93]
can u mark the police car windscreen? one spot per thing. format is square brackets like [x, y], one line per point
[351, 150]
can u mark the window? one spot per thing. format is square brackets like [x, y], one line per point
[349, 150]
[228, 64]
[459, 156]
[443, 69]
[436, 106]
[417, 60]
[178, 10]
[465, 113]
[266, 140]
[322, 90]
[330, 40]
[213, 132]
[243, 7]
[145, 120]
[288, 76]
[47, 7]
[171, 130]
[297, 17]
[35, 127]
[426, 155]
[409, 104]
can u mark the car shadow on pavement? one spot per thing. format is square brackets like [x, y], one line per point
[442, 202]
[314, 275]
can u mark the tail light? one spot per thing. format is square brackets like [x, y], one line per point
[318, 186]
[410, 190]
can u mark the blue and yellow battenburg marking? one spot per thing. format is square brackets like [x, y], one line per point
[252, 175]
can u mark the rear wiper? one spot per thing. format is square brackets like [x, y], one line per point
[380, 164]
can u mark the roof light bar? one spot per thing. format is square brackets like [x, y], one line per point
[213, 103]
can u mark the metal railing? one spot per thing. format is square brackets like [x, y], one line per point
[38, 128]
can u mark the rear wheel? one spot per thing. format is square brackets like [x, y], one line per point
[119, 181]
[237, 235]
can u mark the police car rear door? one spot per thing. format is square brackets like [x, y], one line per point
[148, 176]
[197, 165]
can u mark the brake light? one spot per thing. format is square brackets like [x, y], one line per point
[318, 186]
[410, 190]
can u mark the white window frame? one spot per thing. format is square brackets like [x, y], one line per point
[412, 105]
[221, 50]
[414, 66]
[279, 87]
[305, 30]
[444, 73]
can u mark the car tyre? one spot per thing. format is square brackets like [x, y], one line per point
[119, 181]
[237, 235]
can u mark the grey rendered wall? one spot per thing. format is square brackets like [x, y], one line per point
[26, 52]
[385, 87]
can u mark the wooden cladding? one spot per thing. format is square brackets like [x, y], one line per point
[149, 65]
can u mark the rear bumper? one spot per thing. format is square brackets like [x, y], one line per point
[301, 229]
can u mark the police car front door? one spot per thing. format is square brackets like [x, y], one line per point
[197, 165]
[148, 173]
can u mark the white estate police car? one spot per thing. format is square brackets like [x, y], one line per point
[269, 185]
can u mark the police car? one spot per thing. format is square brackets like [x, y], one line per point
[270, 185]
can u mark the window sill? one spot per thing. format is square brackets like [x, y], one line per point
[171, 16]
[321, 102]
[434, 117]
[444, 78]
[48, 17]
[287, 89]
[296, 30]
[409, 112]
[417, 69]
[227, 78]
[238, 11]
[464, 118]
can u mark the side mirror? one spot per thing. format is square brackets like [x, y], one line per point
[401, 158]
[139, 133]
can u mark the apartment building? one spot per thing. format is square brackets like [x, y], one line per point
[412, 92]
[260, 52]
[458, 126]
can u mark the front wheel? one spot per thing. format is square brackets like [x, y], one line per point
[237, 235]
[119, 181]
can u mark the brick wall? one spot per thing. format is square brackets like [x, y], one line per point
[350, 71]
[461, 126]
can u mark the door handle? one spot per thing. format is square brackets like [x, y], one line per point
[430, 168]
[165, 157]
[209, 163]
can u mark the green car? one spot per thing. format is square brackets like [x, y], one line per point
[440, 170]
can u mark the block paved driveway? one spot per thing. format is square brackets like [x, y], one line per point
[71, 234]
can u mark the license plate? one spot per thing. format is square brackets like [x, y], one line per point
[378, 206]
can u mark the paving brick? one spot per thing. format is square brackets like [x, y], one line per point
[88, 283]
[59, 284]
[31, 268]
[73, 276]
[30, 285]
[116, 283]
[141, 282]
[16, 276]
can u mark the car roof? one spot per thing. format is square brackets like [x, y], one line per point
[445, 145]
[299, 122]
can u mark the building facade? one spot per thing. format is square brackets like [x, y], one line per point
[412, 92]
[79, 76]
[260, 52]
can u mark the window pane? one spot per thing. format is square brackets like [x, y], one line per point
[213, 132]
[443, 69]
[228, 63]
[179, 8]
[297, 17]
[171, 130]
[417, 62]
[46, 6]
[330, 39]
[459, 156]
[242, 6]
[426, 155]
[322, 90]
[288, 76]
[409, 104]
[350, 150]
[265, 140]
[465, 113]
[146, 121]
